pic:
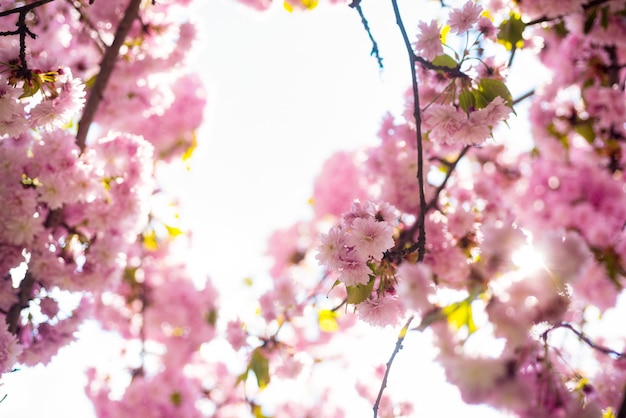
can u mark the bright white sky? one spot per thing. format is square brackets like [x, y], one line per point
[285, 91]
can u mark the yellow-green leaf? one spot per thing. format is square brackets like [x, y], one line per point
[489, 89]
[360, 292]
[327, 320]
[586, 131]
[445, 60]
[260, 365]
[511, 30]
[460, 315]
[467, 100]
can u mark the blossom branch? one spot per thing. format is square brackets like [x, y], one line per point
[22, 28]
[585, 339]
[25, 9]
[409, 234]
[524, 97]
[398, 347]
[106, 69]
[79, 6]
[356, 4]
[421, 240]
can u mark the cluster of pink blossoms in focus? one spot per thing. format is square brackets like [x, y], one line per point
[358, 242]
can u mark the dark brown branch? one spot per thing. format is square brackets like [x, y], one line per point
[26, 8]
[106, 69]
[398, 347]
[433, 201]
[421, 240]
[356, 4]
[450, 71]
[621, 413]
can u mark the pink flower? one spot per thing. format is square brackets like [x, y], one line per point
[428, 42]
[444, 122]
[10, 349]
[331, 248]
[235, 334]
[370, 238]
[381, 311]
[461, 20]
[415, 284]
[334, 197]
[354, 269]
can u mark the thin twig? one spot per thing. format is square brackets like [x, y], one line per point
[451, 167]
[106, 68]
[421, 239]
[79, 7]
[584, 339]
[524, 97]
[356, 4]
[398, 347]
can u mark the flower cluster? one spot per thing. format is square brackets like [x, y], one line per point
[358, 242]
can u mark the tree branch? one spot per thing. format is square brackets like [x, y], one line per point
[79, 7]
[524, 97]
[584, 339]
[106, 68]
[356, 4]
[421, 240]
[26, 8]
[398, 347]
[433, 201]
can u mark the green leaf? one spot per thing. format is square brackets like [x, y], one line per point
[445, 60]
[467, 100]
[211, 317]
[604, 17]
[360, 292]
[176, 398]
[260, 365]
[511, 30]
[590, 20]
[257, 410]
[489, 89]
[586, 131]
